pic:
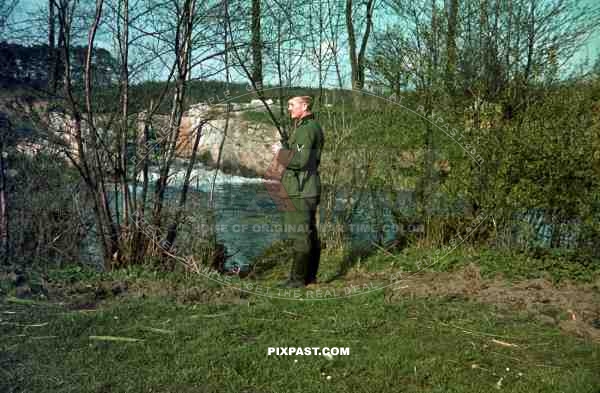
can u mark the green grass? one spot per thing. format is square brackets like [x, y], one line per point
[511, 265]
[219, 344]
[410, 346]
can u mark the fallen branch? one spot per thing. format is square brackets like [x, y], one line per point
[12, 299]
[156, 330]
[23, 325]
[504, 343]
[292, 314]
[210, 315]
[115, 338]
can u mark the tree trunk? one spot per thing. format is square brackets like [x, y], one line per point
[124, 48]
[357, 61]
[257, 72]
[4, 234]
[51, 49]
[139, 245]
[183, 54]
[172, 230]
[451, 46]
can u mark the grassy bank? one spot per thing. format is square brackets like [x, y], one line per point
[135, 330]
[416, 345]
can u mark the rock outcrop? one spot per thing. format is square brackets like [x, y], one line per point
[246, 145]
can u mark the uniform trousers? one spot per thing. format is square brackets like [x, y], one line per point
[300, 230]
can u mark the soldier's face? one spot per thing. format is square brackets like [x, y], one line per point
[296, 109]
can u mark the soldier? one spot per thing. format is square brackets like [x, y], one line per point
[301, 156]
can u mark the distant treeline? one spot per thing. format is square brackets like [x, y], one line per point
[36, 66]
[208, 91]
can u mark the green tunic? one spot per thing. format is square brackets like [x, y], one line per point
[301, 178]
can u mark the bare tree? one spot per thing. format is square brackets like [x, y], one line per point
[256, 44]
[387, 64]
[123, 134]
[183, 52]
[452, 10]
[4, 232]
[357, 59]
[52, 55]
[6, 9]
[101, 154]
[88, 155]
[324, 25]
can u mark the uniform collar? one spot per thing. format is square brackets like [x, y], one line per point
[304, 119]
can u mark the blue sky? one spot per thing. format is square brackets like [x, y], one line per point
[590, 51]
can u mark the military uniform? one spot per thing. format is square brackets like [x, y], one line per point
[302, 184]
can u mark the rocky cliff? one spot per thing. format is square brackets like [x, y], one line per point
[246, 145]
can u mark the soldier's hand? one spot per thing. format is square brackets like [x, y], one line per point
[275, 147]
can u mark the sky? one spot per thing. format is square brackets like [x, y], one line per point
[590, 51]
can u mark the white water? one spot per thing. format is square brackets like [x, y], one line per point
[201, 177]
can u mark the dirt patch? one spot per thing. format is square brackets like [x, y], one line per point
[90, 296]
[187, 293]
[85, 296]
[574, 308]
